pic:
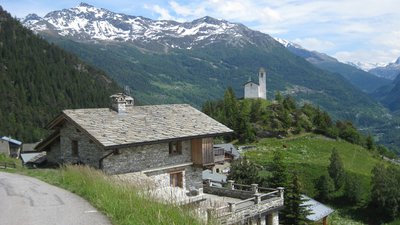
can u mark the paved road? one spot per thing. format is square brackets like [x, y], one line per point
[28, 201]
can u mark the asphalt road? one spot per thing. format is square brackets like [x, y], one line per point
[29, 201]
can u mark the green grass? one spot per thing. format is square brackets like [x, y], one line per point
[309, 155]
[119, 201]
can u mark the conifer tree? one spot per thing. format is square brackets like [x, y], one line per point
[370, 142]
[324, 186]
[336, 169]
[278, 170]
[352, 189]
[295, 212]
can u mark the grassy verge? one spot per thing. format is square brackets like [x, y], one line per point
[118, 201]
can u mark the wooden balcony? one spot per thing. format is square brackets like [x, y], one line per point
[203, 152]
[219, 154]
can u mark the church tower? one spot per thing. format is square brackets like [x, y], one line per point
[262, 82]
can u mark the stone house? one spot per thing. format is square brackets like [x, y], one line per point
[169, 143]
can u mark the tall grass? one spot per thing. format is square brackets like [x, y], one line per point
[123, 203]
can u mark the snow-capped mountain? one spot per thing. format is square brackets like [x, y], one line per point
[88, 23]
[311, 56]
[359, 78]
[389, 71]
[366, 66]
[287, 43]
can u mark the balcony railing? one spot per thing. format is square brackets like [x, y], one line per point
[255, 200]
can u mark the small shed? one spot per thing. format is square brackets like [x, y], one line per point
[14, 146]
[318, 211]
[33, 159]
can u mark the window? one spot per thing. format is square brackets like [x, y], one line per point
[74, 147]
[176, 179]
[175, 147]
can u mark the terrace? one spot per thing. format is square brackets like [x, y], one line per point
[237, 203]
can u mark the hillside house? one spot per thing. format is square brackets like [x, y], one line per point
[224, 154]
[169, 143]
[10, 147]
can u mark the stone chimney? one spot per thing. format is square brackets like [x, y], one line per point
[120, 101]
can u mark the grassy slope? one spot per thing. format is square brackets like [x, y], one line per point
[119, 202]
[309, 155]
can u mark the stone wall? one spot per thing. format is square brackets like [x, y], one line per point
[194, 178]
[229, 193]
[88, 152]
[54, 154]
[135, 159]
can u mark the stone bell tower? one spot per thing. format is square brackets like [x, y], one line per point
[262, 82]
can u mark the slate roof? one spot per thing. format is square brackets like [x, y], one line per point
[230, 149]
[33, 157]
[317, 209]
[142, 124]
[13, 141]
[208, 174]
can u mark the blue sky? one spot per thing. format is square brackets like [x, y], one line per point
[350, 30]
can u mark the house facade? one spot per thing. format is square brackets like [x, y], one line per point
[169, 143]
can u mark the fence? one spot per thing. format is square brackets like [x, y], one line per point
[5, 165]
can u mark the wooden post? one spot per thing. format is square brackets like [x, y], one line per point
[325, 220]
[231, 206]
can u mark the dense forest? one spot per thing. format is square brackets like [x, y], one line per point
[252, 119]
[38, 80]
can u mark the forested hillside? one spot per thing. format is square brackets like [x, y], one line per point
[38, 79]
[253, 119]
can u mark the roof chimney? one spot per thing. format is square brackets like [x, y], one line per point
[120, 101]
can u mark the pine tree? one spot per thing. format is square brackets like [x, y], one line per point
[324, 186]
[295, 212]
[278, 171]
[385, 193]
[352, 189]
[370, 142]
[336, 169]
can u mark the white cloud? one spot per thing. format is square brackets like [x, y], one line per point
[368, 56]
[315, 44]
[163, 13]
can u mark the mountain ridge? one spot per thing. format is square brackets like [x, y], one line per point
[200, 65]
[86, 22]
